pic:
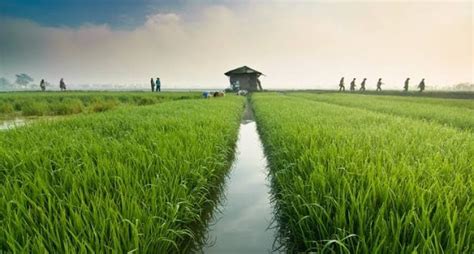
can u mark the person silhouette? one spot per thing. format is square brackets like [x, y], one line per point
[42, 85]
[341, 85]
[362, 85]
[62, 85]
[405, 87]
[152, 82]
[422, 85]
[379, 85]
[158, 85]
[353, 84]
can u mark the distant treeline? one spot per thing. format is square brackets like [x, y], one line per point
[23, 82]
[464, 87]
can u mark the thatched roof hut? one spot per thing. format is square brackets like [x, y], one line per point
[244, 78]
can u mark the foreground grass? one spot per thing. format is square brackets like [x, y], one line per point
[455, 113]
[64, 103]
[136, 179]
[347, 180]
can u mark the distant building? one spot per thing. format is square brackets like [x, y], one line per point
[244, 78]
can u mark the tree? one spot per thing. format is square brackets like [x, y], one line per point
[23, 79]
[464, 87]
[5, 84]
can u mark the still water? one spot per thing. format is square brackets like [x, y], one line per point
[10, 124]
[246, 213]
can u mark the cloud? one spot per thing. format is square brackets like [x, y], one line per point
[162, 19]
[303, 45]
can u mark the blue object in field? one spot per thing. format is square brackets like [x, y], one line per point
[205, 94]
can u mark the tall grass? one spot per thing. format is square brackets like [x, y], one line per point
[348, 180]
[452, 112]
[136, 179]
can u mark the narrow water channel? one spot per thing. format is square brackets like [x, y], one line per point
[243, 224]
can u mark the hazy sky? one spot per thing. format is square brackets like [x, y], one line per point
[190, 44]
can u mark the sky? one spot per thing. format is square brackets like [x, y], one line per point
[190, 44]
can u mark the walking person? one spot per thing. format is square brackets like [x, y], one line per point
[152, 85]
[158, 85]
[341, 85]
[362, 85]
[379, 85]
[422, 85]
[62, 85]
[405, 87]
[43, 85]
[353, 84]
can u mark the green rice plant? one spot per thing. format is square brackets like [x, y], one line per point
[66, 107]
[135, 179]
[460, 103]
[456, 114]
[6, 108]
[146, 101]
[415, 94]
[101, 105]
[348, 180]
[450, 99]
[31, 108]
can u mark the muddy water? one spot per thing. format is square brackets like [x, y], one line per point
[243, 224]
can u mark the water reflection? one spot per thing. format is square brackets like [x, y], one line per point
[10, 124]
[246, 213]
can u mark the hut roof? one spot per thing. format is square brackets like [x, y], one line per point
[242, 70]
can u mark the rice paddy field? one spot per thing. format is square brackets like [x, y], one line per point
[455, 113]
[14, 104]
[361, 174]
[136, 172]
[133, 179]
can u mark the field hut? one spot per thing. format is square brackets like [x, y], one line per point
[244, 78]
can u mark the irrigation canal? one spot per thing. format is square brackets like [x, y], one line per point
[245, 215]
[243, 223]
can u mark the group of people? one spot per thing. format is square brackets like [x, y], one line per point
[62, 85]
[155, 85]
[208, 94]
[421, 86]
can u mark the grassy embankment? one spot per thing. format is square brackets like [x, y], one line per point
[399, 93]
[451, 112]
